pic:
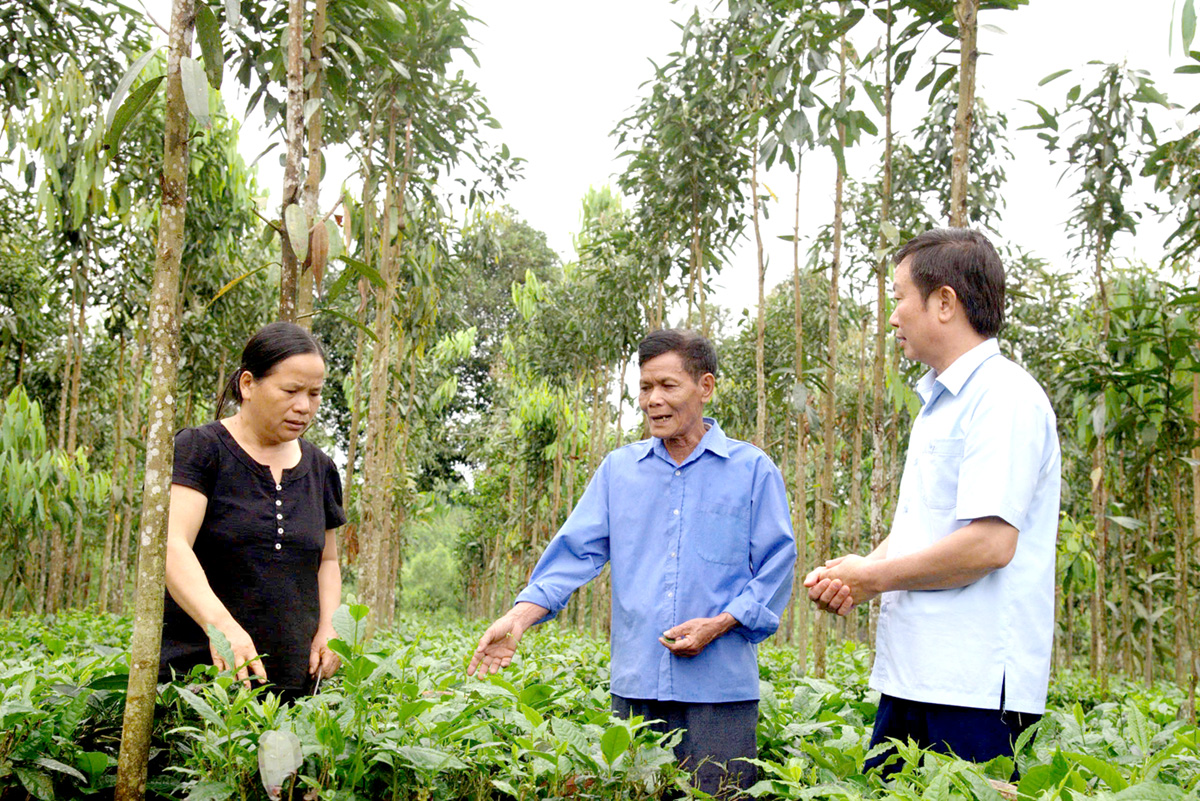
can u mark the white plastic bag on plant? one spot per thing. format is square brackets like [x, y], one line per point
[279, 757]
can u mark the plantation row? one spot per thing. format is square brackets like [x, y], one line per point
[402, 720]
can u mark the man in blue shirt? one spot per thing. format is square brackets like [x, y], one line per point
[697, 528]
[966, 618]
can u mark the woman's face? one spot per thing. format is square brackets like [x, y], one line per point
[282, 403]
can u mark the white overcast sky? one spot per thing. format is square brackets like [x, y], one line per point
[559, 75]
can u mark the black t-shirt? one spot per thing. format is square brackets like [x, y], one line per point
[260, 546]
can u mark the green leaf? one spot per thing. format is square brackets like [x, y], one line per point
[123, 86]
[295, 221]
[1188, 69]
[231, 284]
[129, 110]
[428, 758]
[1102, 770]
[209, 790]
[348, 319]
[1128, 523]
[221, 643]
[1188, 24]
[614, 742]
[36, 783]
[59, 767]
[233, 13]
[1150, 791]
[1052, 77]
[350, 629]
[200, 707]
[365, 270]
[195, 88]
[208, 31]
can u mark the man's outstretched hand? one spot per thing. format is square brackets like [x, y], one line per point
[499, 643]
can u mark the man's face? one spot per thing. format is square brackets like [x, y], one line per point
[672, 400]
[914, 318]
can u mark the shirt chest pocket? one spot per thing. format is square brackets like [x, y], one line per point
[721, 533]
[939, 463]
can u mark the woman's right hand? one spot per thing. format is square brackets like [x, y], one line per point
[243, 652]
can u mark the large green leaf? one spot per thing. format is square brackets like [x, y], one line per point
[132, 106]
[614, 742]
[123, 85]
[208, 31]
[195, 88]
[295, 221]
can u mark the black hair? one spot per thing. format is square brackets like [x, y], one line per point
[965, 261]
[698, 354]
[269, 346]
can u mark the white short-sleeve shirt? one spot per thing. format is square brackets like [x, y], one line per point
[984, 444]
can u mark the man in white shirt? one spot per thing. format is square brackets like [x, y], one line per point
[966, 575]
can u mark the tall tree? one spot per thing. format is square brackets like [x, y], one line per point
[160, 446]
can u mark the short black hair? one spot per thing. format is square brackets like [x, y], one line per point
[270, 345]
[965, 261]
[698, 354]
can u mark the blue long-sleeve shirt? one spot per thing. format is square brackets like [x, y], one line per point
[692, 540]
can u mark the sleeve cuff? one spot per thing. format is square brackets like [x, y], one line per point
[534, 594]
[757, 621]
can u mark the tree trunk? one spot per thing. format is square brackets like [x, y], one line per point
[1148, 590]
[879, 483]
[1188, 605]
[312, 179]
[855, 522]
[965, 15]
[364, 296]
[828, 444]
[377, 471]
[117, 603]
[289, 272]
[760, 378]
[160, 445]
[1099, 613]
[800, 471]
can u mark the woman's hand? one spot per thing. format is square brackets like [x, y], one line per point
[243, 651]
[323, 663]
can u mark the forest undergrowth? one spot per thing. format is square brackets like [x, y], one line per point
[402, 720]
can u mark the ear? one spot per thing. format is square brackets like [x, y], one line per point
[708, 385]
[947, 303]
[245, 383]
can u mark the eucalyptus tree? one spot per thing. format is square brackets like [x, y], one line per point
[1111, 121]
[147, 632]
[686, 160]
[434, 122]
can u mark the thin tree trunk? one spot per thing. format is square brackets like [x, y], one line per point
[312, 179]
[965, 15]
[1099, 663]
[879, 367]
[64, 394]
[800, 402]
[828, 444]
[1181, 619]
[693, 259]
[760, 378]
[377, 472]
[289, 273]
[1190, 613]
[135, 427]
[364, 296]
[856, 526]
[1147, 590]
[160, 445]
[81, 277]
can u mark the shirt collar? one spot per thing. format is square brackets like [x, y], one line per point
[714, 440]
[955, 376]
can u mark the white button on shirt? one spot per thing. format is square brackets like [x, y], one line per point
[984, 444]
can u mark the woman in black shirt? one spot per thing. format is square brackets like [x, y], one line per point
[250, 539]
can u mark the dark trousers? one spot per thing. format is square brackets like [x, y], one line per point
[976, 735]
[716, 737]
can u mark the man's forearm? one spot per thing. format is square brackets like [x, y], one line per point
[961, 558]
